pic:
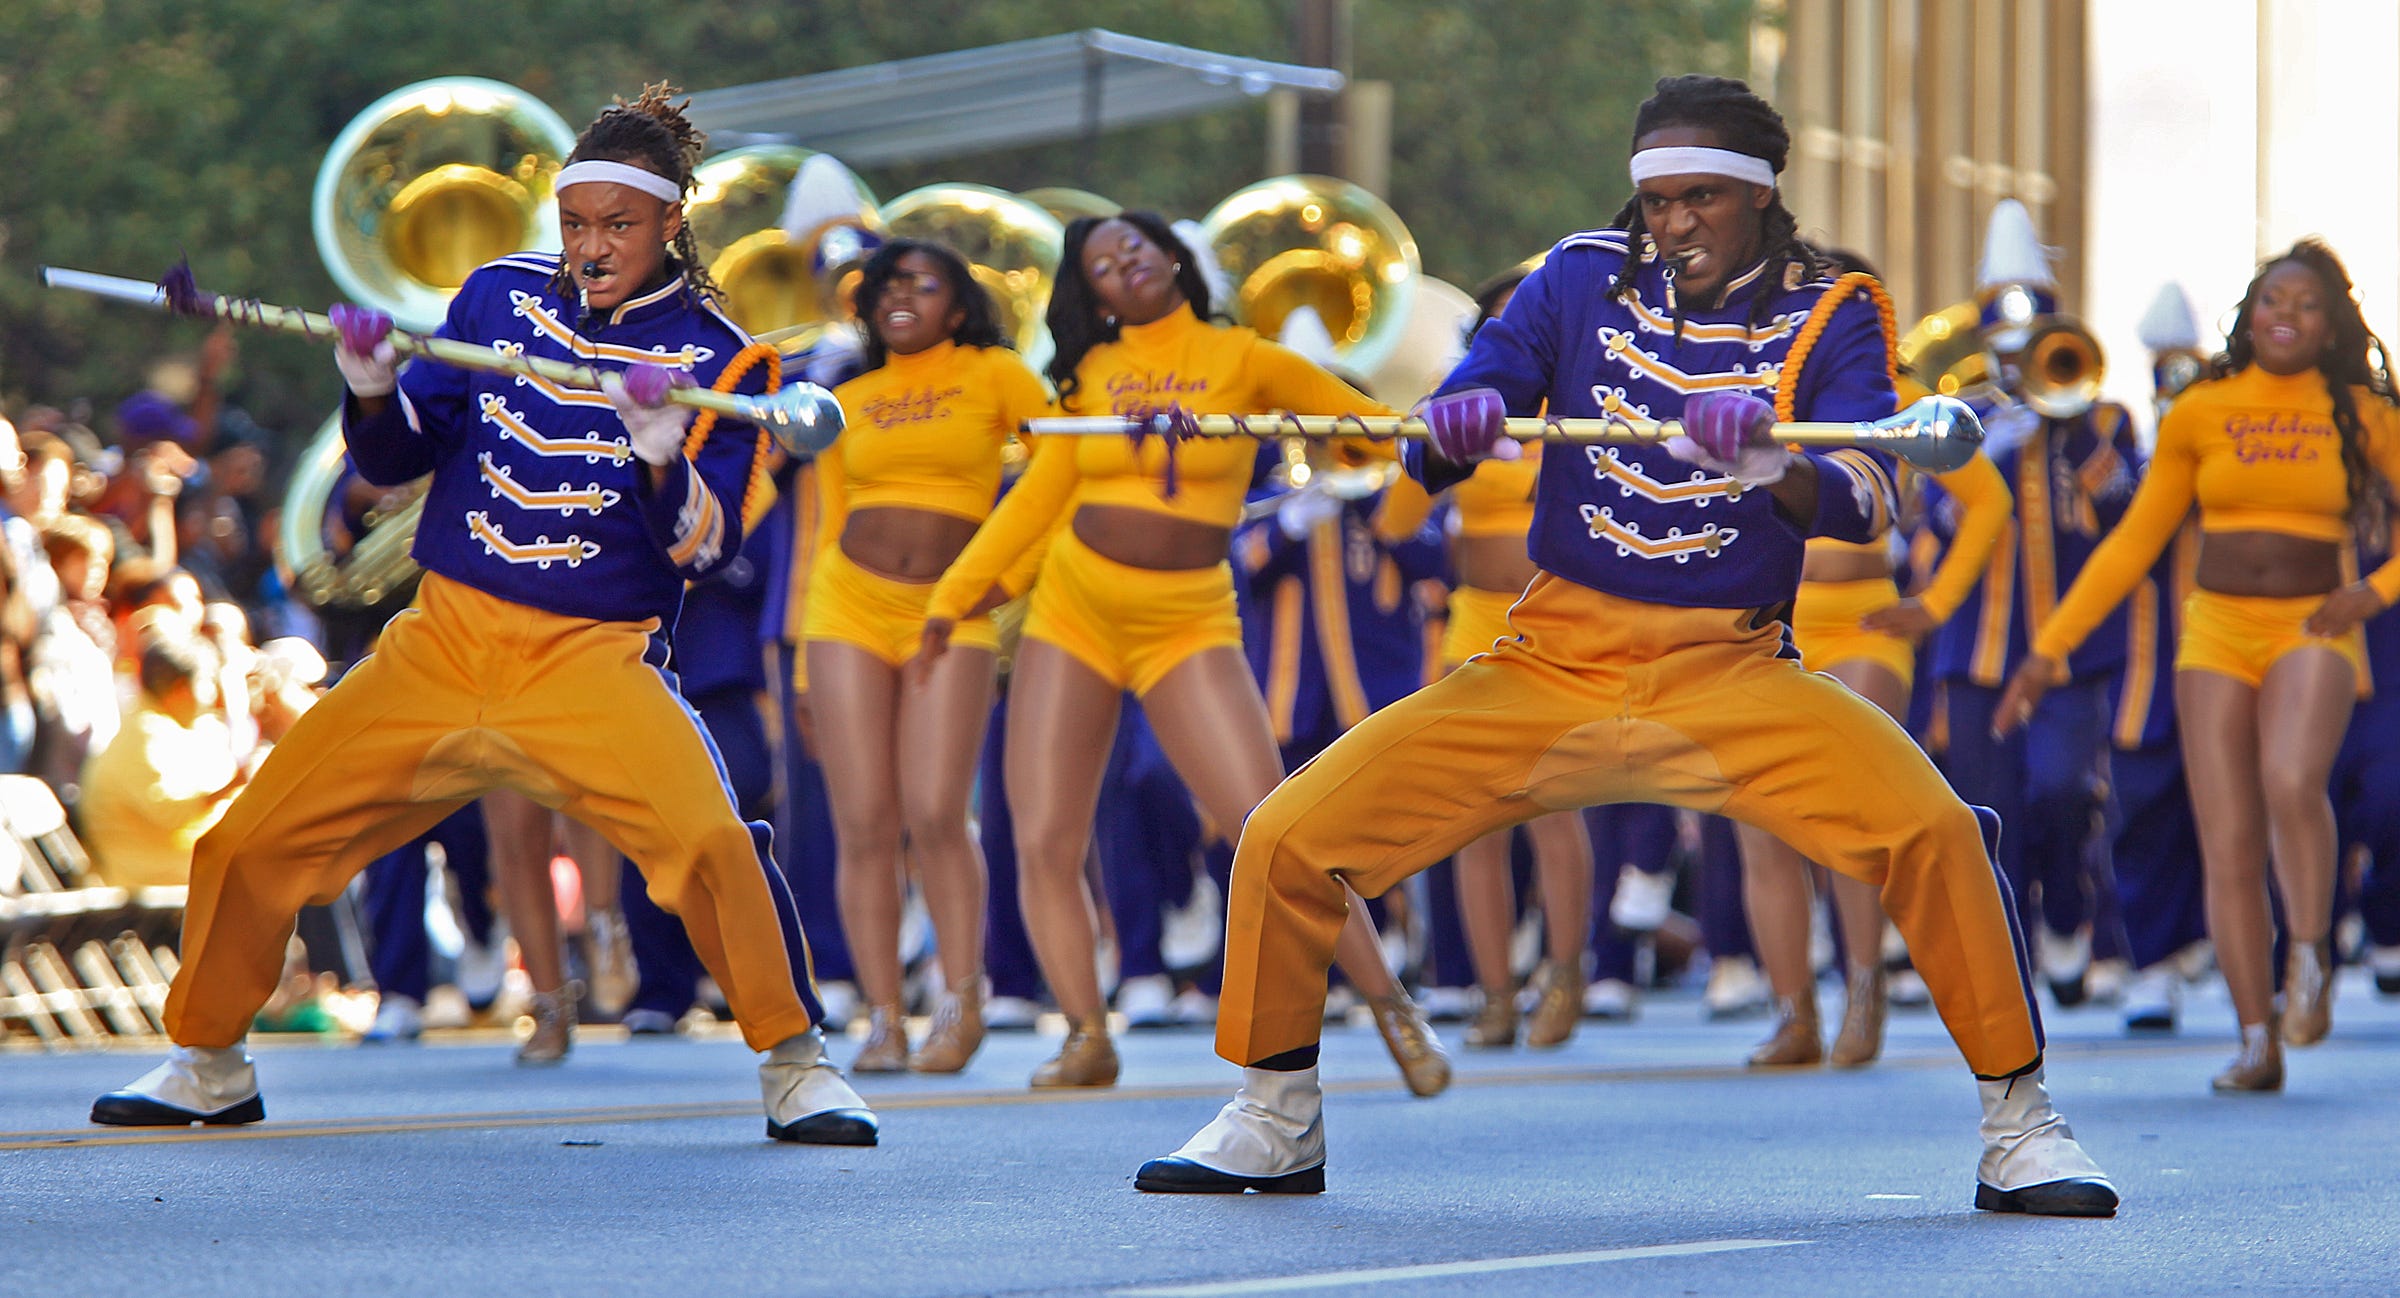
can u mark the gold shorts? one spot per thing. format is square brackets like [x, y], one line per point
[848, 604]
[1825, 627]
[2243, 635]
[1131, 625]
[1478, 620]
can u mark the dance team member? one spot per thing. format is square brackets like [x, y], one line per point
[559, 530]
[2296, 429]
[1609, 692]
[1136, 592]
[1850, 622]
[901, 492]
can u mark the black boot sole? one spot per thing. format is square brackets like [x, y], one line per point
[126, 1109]
[2051, 1199]
[1183, 1176]
[832, 1127]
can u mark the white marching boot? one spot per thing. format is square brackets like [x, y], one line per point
[2031, 1162]
[206, 1084]
[808, 1101]
[1271, 1139]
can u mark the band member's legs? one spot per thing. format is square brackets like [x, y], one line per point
[2217, 717]
[856, 696]
[940, 734]
[1061, 716]
[594, 729]
[524, 835]
[1688, 707]
[2303, 706]
[379, 760]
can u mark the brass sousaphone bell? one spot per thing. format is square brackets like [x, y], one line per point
[432, 181]
[423, 186]
[1323, 243]
[774, 282]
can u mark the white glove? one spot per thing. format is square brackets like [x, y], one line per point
[1752, 466]
[372, 375]
[1302, 510]
[656, 431]
[363, 350]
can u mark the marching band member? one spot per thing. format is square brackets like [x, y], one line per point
[559, 530]
[1135, 593]
[2364, 777]
[2278, 449]
[2154, 847]
[1850, 622]
[2072, 479]
[901, 491]
[1647, 662]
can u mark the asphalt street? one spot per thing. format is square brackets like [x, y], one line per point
[1639, 1159]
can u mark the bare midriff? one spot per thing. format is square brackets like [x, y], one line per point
[904, 544]
[1845, 565]
[1142, 538]
[1497, 563]
[2271, 565]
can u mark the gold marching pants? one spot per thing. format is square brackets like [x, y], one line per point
[466, 693]
[1607, 700]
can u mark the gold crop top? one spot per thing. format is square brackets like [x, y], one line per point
[1497, 500]
[2258, 452]
[1985, 509]
[926, 432]
[1181, 360]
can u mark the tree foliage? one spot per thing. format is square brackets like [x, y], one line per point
[134, 131]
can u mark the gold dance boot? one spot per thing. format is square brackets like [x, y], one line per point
[1088, 1058]
[2260, 1065]
[2308, 992]
[1860, 1041]
[1798, 1041]
[1495, 1025]
[886, 1050]
[1412, 1043]
[553, 1015]
[957, 1031]
[1557, 1007]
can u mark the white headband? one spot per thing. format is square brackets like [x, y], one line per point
[617, 173]
[1692, 160]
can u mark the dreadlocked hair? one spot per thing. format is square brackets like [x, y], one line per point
[979, 328]
[1079, 321]
[1741, 122]
[2355, 358]
[652, 133]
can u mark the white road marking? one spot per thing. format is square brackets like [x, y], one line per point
[1440, 1270]
[1895, 1196]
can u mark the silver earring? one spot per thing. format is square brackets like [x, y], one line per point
[1179, 268]
[1109, 320]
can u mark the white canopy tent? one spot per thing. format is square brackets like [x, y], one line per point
[1069, 86]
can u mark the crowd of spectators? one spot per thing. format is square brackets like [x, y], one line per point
[149, 652]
